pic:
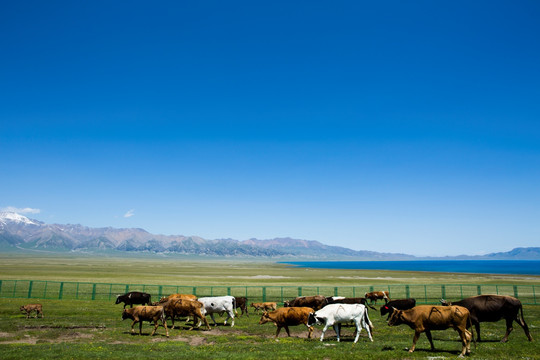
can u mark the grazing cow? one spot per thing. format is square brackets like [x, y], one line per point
[32, 307]
[134, 297]
[424, 318]
[265, 306]
[490, 308]
[146, 313]
[334, 314]
[177, 307]
[290, 316]
[241, 303]
[316, 302]
[400, 304]
[220, 304]
[376, 295]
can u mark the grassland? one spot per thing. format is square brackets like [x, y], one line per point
[82, 329]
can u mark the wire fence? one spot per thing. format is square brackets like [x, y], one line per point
[424, 294]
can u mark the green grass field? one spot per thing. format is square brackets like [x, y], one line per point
[81, 329]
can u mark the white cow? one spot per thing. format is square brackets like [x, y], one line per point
[219, 304]
[335, 314]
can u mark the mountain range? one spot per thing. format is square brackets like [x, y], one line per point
[19, 232]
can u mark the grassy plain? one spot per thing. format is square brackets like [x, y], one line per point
[81, 329]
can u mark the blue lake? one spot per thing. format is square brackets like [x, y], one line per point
[521, 267]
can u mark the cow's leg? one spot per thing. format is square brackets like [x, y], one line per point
[414, 340]
[214, 320]
[477, 327]
[324, 330]
[428, 334]
[287, 330]
[358, 329]
[336, 329]
[524, 326]
[165, 326]
[468, 336]
[463, 336]
[231, 314]
[278, 330]
[203, 317]
[155, 327]
[310, 331]
[509, 329]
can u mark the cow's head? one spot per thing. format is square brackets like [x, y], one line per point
[265, 318]
[22, 308]
[385, 309]
[126, 315]
[445, 303]
[286, 304]
[396, 317]
[119, 299]
[314, 319]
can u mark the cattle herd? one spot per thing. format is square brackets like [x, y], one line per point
[327, 311]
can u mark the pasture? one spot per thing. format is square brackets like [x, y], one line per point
[82, 329]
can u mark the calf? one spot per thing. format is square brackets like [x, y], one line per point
[220, 304]
[491, 308]
[241, 303]
[182, 307]
[32, 307]
[265, 306]
[376, 295]
[285, 317]
[134, 297]
[334, 314]
[424, 318]
[400, 304]
[316, 302]
[146, 313]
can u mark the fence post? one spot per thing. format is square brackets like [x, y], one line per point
[407, 291]
[516, 292]
[299, 291]
[94, 292]
[1, 287]
[194, 290]
[479, 289]
[160, 291]
[61, 291]
[229, 290]
[264, 294]
[127, 288]
[30, 289]
[443, 291]
[336, 291]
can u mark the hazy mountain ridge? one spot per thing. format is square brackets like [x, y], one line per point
[21, 232]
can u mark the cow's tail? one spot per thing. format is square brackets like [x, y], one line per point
[368, 322]
[234, 303]
[469, 323]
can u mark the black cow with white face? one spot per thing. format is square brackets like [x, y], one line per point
[134, 297]
[400, 304]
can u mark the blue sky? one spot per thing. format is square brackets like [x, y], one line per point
[395, 126]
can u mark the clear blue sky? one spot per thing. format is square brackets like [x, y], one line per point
[395, 126]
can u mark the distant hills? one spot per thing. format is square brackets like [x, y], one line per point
[18, 232]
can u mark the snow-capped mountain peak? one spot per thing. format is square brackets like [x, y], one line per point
[6, 217]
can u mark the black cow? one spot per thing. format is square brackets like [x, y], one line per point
[315, 302]
[490, 308]
[400, 304]
[134, 297]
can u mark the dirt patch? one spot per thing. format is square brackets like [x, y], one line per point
[63, 327]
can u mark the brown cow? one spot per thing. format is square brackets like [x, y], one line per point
[241, 303]
[265, 306]
[32, 307]
[146, 313]
[316, 302]
[376, 295]
[190, 308]
[286, 317]
[425, 318]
